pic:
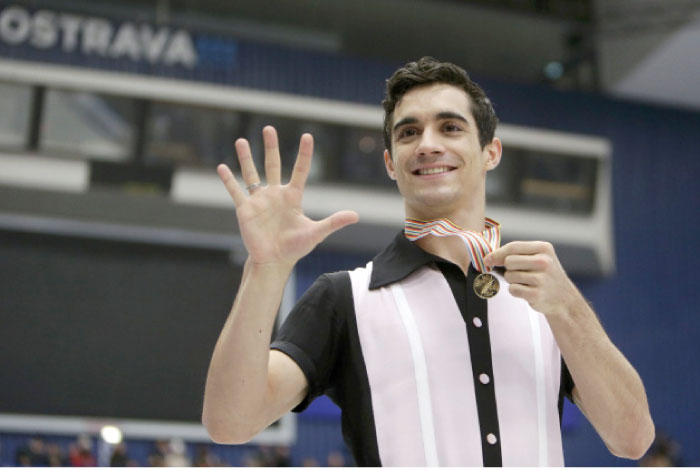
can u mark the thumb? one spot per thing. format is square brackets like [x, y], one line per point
[335, 222]
[496, 257]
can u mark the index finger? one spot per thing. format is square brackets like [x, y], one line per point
[303, 164]
[232, 186]
[498, 257]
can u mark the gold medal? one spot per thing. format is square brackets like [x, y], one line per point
[486, 285]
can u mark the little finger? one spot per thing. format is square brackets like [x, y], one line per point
[527, 293]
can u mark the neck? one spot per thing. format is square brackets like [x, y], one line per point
[449, 248]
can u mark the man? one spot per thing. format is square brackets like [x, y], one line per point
[428, 366]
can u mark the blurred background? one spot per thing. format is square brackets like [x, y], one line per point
[119, 253]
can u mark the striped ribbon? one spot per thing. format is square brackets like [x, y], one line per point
[478, 244]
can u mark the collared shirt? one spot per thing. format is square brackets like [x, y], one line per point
[322, 336]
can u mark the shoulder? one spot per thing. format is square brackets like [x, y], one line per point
[326, 288]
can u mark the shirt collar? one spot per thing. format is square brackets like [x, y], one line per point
[399, 259]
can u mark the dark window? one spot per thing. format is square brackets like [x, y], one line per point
[14, 115]
[87, 125]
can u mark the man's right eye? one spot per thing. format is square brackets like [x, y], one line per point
[407, 132]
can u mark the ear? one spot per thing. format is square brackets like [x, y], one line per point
[389, 162]
[492, 153]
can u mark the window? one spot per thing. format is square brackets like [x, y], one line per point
[14, 115]
[87, 125]
[363, 158]
[544, 180]
[289, 131]
[182, 135]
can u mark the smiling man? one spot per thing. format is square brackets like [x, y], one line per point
[446, 349]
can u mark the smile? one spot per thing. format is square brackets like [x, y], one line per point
[433, 171]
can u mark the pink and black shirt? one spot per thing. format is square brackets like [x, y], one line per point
[424, 371]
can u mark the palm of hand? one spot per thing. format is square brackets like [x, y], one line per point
[271, 220]
[274, 227]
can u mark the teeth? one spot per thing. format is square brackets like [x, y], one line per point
[432, 171]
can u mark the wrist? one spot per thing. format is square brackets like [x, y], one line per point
[268, 269]
[572, 310]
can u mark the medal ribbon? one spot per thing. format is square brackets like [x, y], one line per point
[478, 244]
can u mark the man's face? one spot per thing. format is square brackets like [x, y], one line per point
[437, 161]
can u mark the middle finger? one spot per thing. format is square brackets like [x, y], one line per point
[272, 155]
[522, 263]
[245, 158]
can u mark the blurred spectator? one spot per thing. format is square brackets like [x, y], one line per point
[119, 457]
[171, 453]
[157, 458]
[266, 456]
[205, 459]
[252, 460]
[80, 453]
[309, 462]
[55, 456]
[176, 455]
[664, 452]
[32, 455]
[335, 459]
[281, 457]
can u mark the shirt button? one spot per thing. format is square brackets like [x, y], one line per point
[491, 438]
[484, 379]
[477, 322]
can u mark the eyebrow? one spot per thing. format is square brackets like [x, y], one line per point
[439, 116]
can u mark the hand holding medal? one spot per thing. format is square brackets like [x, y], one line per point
[479, 245]
[535, 275]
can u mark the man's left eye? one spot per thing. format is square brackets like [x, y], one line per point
[452, 127]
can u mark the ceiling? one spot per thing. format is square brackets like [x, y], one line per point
[647, 50]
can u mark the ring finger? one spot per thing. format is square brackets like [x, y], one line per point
[245, 158]
[526, 278]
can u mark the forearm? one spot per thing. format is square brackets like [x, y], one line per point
[238, 373]
[608, 389]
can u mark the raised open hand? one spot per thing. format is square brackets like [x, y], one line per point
[271, 220]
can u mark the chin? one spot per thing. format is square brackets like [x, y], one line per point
[434, 205]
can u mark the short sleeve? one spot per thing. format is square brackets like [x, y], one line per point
[312, 335]
[566, 387]
[567, 382]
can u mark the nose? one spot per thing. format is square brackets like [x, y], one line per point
[429, 144]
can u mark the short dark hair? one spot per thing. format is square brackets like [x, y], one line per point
[427, 71]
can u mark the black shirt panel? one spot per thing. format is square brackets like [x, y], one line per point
[471, 306]
[566, 388]
[314, 325]
[567, 382]
[323, 324]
